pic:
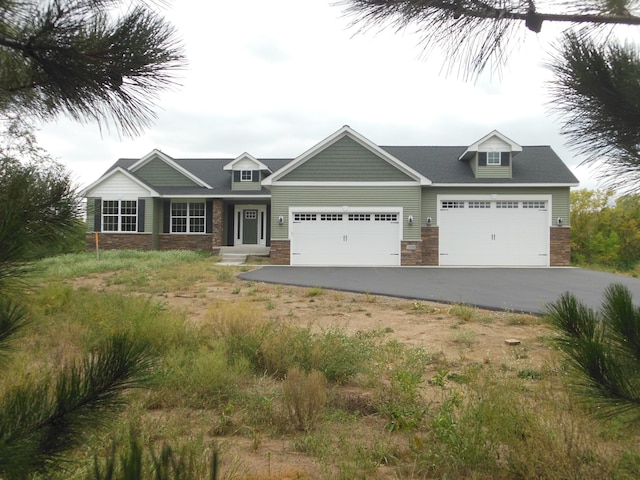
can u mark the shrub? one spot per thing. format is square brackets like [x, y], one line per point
[304, 396]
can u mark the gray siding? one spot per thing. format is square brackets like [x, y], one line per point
[493, 171]
[346, 161]
[159, 174]
[559, 208]
[406, 197]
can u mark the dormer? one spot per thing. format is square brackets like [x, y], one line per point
[492, 156]
[246, 172]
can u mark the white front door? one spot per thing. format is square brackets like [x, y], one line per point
[250, 225]
[363, 238]
[494, 232]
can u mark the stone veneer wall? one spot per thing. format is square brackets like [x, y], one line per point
[560, 246]
[430, 249]
[218, 225]
[411, 253]
[280, 252]
[115, 241]
[185, 242]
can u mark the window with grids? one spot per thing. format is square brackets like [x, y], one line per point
[386, 217]
[187, 217]
[330, 217]
[246, 175]
[479, 204]
[542, 205]
[359, 217]
[493, 158]
[119, 215]
[506, 204]
[452, 204]
[304, 217]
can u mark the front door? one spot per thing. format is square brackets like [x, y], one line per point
[250, 227]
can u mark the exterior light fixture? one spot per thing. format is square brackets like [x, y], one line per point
[280, 219]
[559, 221]
[410, 219]
[428, 221]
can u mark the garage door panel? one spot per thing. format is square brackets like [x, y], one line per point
[354, 239]
[493, 236]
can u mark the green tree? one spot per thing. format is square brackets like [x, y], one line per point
[596, 88]
[603, 350]
[68, 57]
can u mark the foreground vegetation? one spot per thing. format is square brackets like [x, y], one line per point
[276, 398]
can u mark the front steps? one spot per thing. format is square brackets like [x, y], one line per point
[238, 255]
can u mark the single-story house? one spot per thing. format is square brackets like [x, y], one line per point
[346, 201]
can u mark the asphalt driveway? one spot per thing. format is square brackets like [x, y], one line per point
[517, 289]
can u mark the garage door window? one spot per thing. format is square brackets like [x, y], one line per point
[506, 204]
[331, 217]
[386, 217]
[452, 204]
[359, 217]
[536, 205]
[304, 217]
[479, 204]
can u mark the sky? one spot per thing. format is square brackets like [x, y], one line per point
[274, 78]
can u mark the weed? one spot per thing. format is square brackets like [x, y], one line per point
[224, 275]
[313, 292]
[464, 312]
[304, 396]
[465, 338]
[529, 374]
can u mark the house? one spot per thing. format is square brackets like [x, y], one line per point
[347, 201]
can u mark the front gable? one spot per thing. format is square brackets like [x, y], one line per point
[159, 169]
[346, 157]
[492, 156]
[119, 183]
[246, 172]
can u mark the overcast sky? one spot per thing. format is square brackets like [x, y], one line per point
[273, 78]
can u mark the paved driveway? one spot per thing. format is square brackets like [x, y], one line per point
[517, 289]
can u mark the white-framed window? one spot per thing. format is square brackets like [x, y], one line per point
[507, 204]
[479, 204]
[493, 158]
[386, 217]
[119, 215]
[330, 217]
[359, 217]
[246, 175]
[187, 217]
[540, 205]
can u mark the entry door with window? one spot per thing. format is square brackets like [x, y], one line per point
[250, 227]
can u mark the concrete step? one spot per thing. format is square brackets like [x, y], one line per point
[233, 258]
[246, 250]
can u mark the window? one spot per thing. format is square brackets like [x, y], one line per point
[506, 204]
[119, 215]
[304, 217]
[386, 217]
[452, 204]
[479, 204]
[359, 217]
[187, 217]
[246, 175]
[330, 217]
[493, 158]
[542, 205]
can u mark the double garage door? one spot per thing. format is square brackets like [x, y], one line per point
[505, 232]
[345, 238]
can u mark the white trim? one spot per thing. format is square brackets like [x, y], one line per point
[349, 184]
[345, 131]
[263, 231]
[126, 173]
[245, 155]
[505, 185]
[169, 161]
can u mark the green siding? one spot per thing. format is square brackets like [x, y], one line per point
[246, 186]
[559, 208]
[284, 197]
[493, 171]
[160, 174]
[346, 161]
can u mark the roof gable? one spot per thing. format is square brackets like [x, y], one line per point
[119, 182]
[346, 156]
[492, 142]
[160, 169]
[246, 162]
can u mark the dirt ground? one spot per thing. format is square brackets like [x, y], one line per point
[462, 334]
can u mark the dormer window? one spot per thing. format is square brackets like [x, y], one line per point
[493, 158]
[246, 175]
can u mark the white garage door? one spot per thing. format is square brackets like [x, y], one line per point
[346, 239]
[494, 233]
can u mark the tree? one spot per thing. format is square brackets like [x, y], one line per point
[603, 349]
[73, 57]
[596, 88]
[65, 57]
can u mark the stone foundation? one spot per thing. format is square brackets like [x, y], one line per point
[120, 241]
[218, 225]
[430, 248]
[280, 252]
[185, 242]
[560, 246]
[411, 253]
